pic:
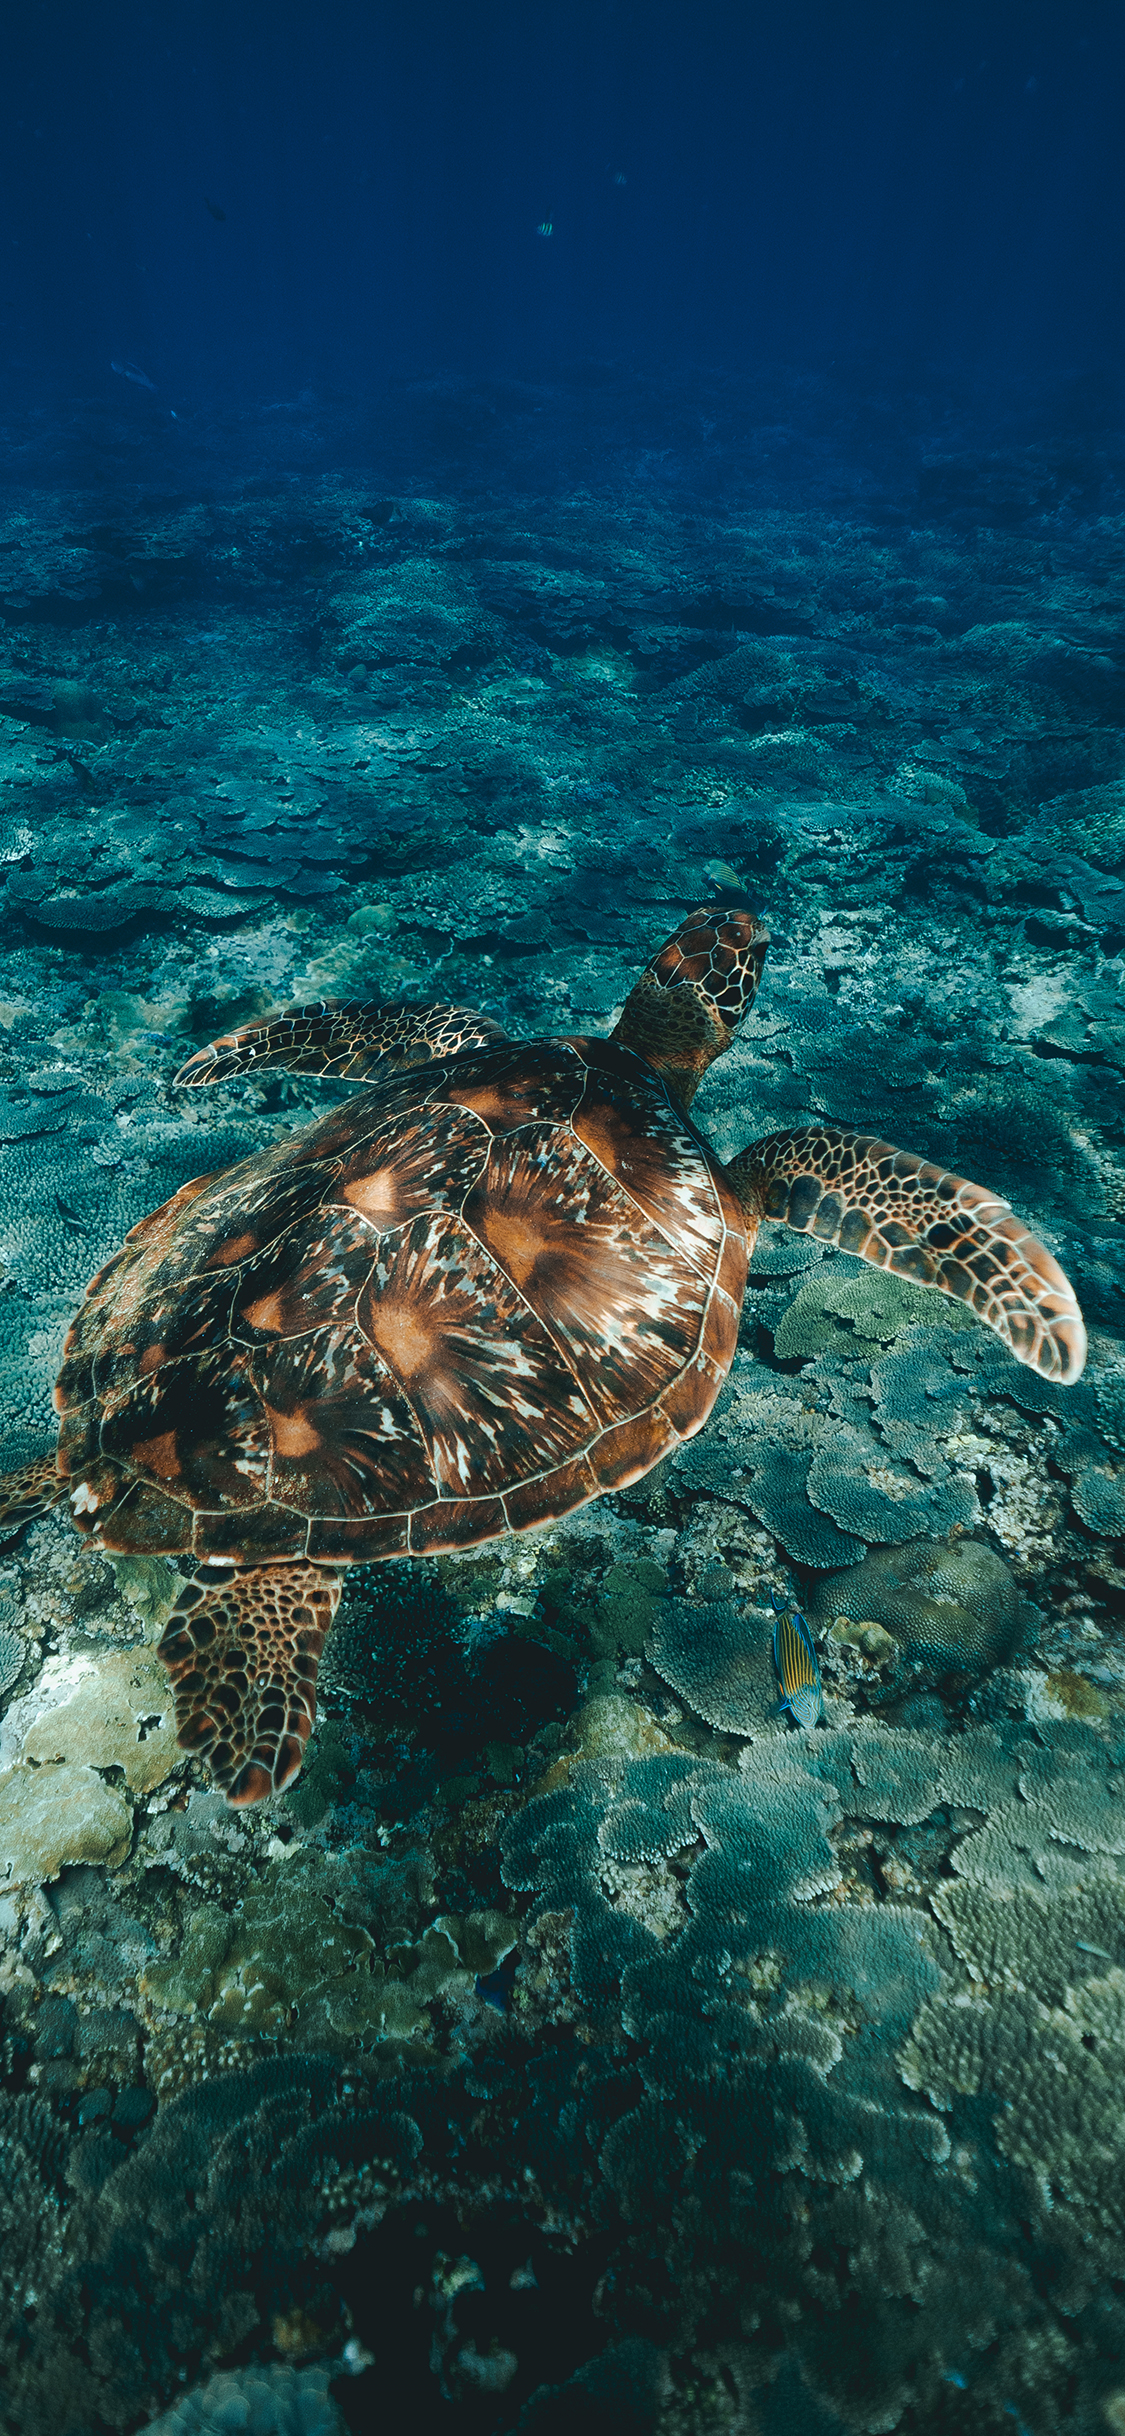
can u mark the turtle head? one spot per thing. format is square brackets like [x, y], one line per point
[690, 999]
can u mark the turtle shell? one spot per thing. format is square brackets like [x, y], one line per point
[465, 1302]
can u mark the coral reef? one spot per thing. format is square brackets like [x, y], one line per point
[950, 1611]
[775, 2135]
[299, 1962]
[577, 2045]
[259, 2401]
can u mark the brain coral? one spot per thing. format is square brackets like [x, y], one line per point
[951, 1607]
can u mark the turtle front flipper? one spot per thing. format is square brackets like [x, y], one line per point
[34, 1489]
[348, 1041]
[242, 1646]
[686, 1007]
[901, 1213]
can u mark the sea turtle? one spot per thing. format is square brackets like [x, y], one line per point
[503, 1281]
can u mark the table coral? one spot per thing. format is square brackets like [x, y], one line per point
[276, 2401]
[1040, 2033]
[762, 2023]
[832, 1313]
[717, 1654]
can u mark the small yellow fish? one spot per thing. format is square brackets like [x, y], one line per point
[797, 1667]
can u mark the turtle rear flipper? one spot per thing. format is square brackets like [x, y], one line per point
[937, 1229]
[242, 1646]
[34, 1489]
[348, 1041]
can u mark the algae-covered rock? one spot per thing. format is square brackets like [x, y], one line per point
[56, 1814]
[187, 1985]
[480, 1939]
[150, 1584]
[878, 1647]
[119, 1714]
[612, 1727]
[257, 1972]
[290, 1963]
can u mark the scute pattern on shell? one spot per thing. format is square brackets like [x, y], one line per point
[473, 1298]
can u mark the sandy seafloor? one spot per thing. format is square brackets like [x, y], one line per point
[578, 2045]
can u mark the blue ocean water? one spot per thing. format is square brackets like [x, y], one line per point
[477, 483]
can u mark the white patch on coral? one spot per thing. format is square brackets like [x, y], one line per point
[649, 1891]
[1043, 1705]
[1034, 1002]
[56, 1685]
[1025, 1509]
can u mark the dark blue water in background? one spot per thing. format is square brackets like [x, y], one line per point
[725, 185]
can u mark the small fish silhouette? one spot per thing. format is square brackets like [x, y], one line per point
[797, 1667]
[132, 372]
[216, 212]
